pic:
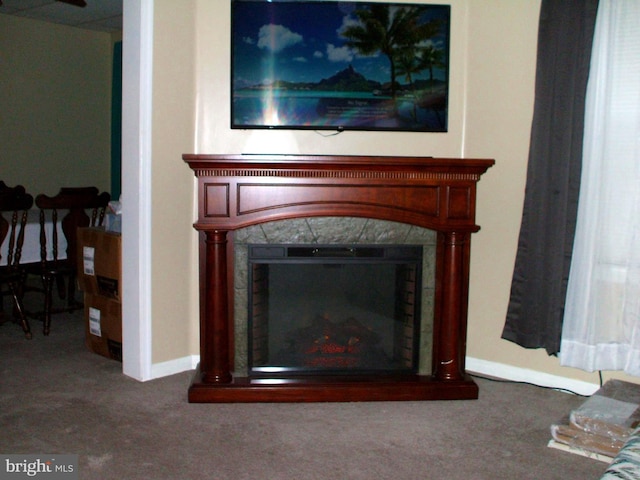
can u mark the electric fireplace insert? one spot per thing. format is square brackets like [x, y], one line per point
[334, 309]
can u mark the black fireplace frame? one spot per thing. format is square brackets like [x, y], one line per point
[337, 255]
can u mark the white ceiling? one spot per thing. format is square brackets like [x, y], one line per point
[100, 15]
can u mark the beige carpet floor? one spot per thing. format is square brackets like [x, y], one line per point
[57, 397]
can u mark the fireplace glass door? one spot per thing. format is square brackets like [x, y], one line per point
[334, 309]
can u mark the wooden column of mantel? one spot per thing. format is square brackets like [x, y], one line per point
[235, 191]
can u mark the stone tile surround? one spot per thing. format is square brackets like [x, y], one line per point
[333, 230]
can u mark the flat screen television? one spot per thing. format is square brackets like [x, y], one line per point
[339, 65]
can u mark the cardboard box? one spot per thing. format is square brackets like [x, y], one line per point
[100, 263]
[103, 326]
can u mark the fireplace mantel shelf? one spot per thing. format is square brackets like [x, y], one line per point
[236, 191]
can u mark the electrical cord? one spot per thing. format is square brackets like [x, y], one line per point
[515, 382]
[338, 131]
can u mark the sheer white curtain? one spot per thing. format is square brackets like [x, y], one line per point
[601, 329]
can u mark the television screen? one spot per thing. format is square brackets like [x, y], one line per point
[339, 65]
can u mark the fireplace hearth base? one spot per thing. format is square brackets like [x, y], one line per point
[236, 191]
[342, 388]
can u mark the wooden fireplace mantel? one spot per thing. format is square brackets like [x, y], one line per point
[235, 191]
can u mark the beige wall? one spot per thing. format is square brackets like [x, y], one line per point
[493, 52]
[174, 267]
[55, 105]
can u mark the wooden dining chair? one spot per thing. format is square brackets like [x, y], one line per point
[15, 204]
[63, 214]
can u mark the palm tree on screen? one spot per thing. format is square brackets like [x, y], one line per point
[396, 32]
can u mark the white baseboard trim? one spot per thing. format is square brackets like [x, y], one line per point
[473, 366]
[171, 367]
[517, 374]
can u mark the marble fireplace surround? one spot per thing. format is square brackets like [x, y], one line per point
[242, 197]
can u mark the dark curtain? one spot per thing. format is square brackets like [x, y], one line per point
[541, 272]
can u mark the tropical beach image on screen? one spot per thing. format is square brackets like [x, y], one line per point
[339, 65]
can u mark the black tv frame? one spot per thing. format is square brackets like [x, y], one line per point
[304, 64]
